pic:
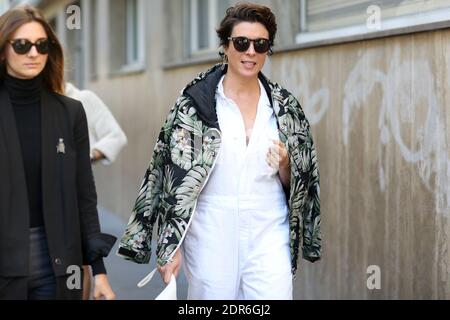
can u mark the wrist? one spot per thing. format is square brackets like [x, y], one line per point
[96, 155]
[286, 166]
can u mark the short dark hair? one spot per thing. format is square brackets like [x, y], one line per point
[247, 12]
[12, 20]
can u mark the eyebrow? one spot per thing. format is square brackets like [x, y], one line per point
[44, 38]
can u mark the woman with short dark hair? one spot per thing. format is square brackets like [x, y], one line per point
[233, 184]
[48, 208]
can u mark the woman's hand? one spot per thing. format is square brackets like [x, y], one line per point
[278, 158]
[171, 267]
[96, 156]
[102, 289]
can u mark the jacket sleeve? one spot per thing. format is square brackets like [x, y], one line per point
[135, 244]
[312, 239]
[95, 244]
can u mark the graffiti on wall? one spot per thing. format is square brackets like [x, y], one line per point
[410, 115]
[315, 104]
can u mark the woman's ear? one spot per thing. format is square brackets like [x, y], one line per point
[225, 48]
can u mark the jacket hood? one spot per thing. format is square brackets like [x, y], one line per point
[202, 90]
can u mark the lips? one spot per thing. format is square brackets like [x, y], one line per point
[249, 64]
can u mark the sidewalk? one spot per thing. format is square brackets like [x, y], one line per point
[124, 275]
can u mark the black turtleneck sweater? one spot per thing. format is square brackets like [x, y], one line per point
[25, 96]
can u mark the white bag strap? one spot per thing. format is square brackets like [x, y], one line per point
[147, 279]
[169, 292]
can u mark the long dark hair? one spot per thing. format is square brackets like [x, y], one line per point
[13, 19]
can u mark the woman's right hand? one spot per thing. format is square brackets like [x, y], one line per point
[171, 267]
[102, 288]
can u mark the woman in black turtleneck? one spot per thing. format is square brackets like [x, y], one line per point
[48, 218]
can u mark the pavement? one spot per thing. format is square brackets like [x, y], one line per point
[124, 275]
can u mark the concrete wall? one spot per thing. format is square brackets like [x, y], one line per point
[381, 123]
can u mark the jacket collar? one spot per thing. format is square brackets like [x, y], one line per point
[12, 155]
[202, 90]
[51, 130]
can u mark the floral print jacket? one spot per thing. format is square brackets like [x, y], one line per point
[184, 157]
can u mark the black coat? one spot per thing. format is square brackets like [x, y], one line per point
[68, 191]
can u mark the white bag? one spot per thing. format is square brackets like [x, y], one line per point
[169, 292]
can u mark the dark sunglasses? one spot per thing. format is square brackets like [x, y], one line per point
[242, 44]
[23, 46]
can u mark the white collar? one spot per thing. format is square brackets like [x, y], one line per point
[263, 99]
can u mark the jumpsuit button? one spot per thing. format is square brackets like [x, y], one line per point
[58, 261]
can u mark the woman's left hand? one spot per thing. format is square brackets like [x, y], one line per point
[278, 158]
[102, 288]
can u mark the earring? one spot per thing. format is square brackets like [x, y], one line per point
[224, 61]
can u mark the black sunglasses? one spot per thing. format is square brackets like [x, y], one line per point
[23, 46]
[242, 44]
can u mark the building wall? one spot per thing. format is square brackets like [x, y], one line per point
[3, 6]
[381, 126]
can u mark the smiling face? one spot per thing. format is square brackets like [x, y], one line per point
[249, 63]
[31, 64]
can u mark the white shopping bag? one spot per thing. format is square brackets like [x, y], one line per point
[169, 292]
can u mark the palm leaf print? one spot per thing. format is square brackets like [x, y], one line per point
[188, 191]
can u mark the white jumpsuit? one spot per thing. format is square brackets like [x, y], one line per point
[237, 246]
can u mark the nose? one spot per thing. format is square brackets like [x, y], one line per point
[33, 52]
[251, 49]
